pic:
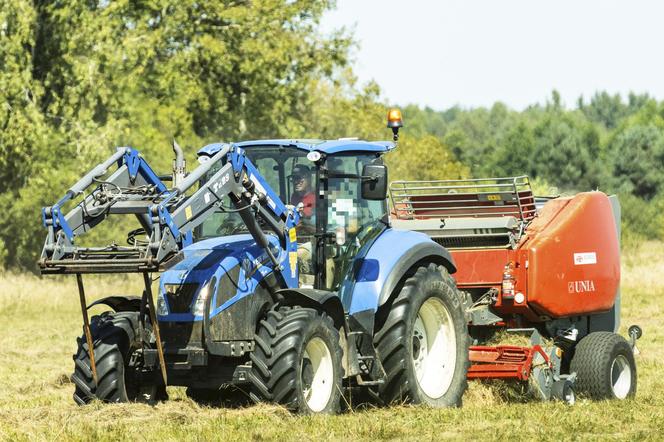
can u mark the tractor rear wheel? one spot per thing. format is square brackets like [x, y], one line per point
[115, 339]
[605, 367]
[423, 343]
[297, 361]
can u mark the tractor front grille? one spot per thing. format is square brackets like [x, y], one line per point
[180, 297]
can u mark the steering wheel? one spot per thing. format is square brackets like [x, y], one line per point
[228, 227]
[366, 228]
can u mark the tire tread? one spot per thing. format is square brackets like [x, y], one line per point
[391, 344]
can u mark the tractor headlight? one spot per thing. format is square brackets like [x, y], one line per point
[162, 310]
[198, 309]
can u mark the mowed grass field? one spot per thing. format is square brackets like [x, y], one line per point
[40, 321]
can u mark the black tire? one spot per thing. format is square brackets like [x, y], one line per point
[114, 337]
[398, 346]
[281, 368]
[598, 360]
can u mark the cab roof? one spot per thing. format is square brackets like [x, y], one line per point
[329, 147]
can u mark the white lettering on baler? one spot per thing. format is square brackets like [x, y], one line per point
[581, 286]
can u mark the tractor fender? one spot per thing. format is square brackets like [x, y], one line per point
[324, 300]
[120, 303]
[420, 253]
[390, 257]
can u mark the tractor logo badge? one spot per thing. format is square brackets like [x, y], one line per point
[581, 286]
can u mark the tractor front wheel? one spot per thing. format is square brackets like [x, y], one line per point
[423, 343]
[114, 337]
[297, 361]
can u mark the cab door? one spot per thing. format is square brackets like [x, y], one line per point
[349, 221]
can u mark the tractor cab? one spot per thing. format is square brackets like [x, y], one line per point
[338, 188]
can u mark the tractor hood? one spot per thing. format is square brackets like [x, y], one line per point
[205, 258]
[235, 262]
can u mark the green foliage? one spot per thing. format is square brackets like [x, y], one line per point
[541, 187]
[637, 152]
[641, 220]
[609, 110]
[565, 152]
[610, 144]
[338, 109]
[78, 78]
[514, 156]
[424, 158]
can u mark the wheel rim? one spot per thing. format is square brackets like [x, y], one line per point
[434, 348]
[317, 374]
[621, 377]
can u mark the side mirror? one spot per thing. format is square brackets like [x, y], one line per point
[374, 182]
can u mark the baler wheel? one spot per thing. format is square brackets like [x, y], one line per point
[423, 344]
[114, 336]
[297, 361]
[605, 367]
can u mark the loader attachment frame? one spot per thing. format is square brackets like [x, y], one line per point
[131, 189]
[167, 216]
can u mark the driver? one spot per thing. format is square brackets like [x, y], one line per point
[304, 195]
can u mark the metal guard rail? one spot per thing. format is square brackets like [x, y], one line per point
[468, 198]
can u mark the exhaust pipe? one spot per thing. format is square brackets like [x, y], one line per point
[179, 164]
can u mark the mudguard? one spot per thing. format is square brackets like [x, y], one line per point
[383, 265]
[120, 303]
[329, 302]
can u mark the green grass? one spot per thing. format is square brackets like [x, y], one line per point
[41, 320]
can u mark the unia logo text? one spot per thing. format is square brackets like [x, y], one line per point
[581, 286]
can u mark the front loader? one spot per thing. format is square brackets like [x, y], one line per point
[279, 274]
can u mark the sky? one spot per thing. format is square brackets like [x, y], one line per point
[441, 53]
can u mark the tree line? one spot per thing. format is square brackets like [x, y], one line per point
[78, 78]
[607, 142]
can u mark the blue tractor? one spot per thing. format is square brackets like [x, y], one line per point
[279, 276]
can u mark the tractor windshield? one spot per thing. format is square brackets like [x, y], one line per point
[280, 167]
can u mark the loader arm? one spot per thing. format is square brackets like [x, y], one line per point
[167, 216]
[250, 195]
